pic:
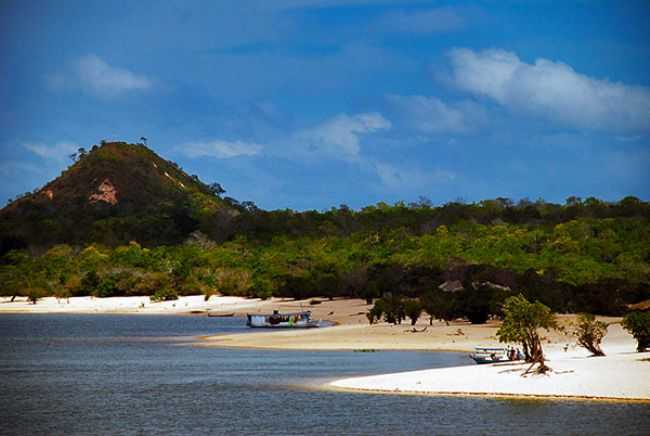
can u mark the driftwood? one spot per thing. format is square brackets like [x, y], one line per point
[459, 332]
[414, 330]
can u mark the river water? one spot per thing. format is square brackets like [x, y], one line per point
[109, 374]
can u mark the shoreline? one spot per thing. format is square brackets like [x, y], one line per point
[622, 375]
[489, 395]
[135, 305]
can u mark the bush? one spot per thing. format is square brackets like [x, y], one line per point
[590, 332]
[33, 294]
[474, 305]
[413, 310]
[89, 283]
[440, 305]
[638, 324]
[375, 313]
[392, 308]
[164, 294]
[107, 287]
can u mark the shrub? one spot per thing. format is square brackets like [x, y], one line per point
[413, 310]
[638, 324]
[440, 305]
[33, 294]
[590, 332]
[375, 313]
[164, 294]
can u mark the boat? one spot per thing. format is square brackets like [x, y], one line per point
[489, 355]
[281, 320]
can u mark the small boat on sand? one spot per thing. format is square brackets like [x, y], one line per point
[494, 354]
[281, 320]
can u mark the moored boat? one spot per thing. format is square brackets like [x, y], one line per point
[489, 355]
[281, 320]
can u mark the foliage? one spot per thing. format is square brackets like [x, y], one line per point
[392, 308]
[164, 294]
[413, 310]
[440, 305]
[33, 294]
[590, 333]
[522, 320]
[638, 324]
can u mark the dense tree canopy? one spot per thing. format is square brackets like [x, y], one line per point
[585, 265]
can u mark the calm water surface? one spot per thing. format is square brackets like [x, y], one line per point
[105, 374]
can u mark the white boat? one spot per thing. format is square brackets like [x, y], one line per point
[281, 320]
[489, 355]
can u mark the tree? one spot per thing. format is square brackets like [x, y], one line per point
[638, 324]
[35, 293]
[439, 305]
[474, 304]
[392, 308]
[522, 319]
[216, 189]
[590, 332]
[143, 140]
[374, 314]
[413, 310]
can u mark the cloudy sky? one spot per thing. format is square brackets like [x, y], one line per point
[313, 103]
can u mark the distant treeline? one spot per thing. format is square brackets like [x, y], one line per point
[582, 257]
[416, 218]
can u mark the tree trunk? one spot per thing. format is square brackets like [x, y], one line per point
[593, 348]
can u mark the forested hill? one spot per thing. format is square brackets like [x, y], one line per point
[111, 194]
[123, 221]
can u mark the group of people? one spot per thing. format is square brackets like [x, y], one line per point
[514, 354]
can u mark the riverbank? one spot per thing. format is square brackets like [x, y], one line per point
[353, 332]
[127, 305]
[621, 375]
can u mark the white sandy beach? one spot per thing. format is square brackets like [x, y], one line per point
[623, 375]
[141, 305]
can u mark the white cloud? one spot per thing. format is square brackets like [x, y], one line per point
[107, 81]
[339, 137]
[58, 152]
[399, 177]
[552, 90]
[221, 149]
[422, 21]
[431, 115]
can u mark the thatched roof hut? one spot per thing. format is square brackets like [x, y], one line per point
[643, 306]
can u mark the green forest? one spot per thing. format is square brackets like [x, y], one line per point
[175, 235]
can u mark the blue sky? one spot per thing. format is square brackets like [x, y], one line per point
[308, 104]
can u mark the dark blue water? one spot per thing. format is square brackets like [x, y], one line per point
[101, 374]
